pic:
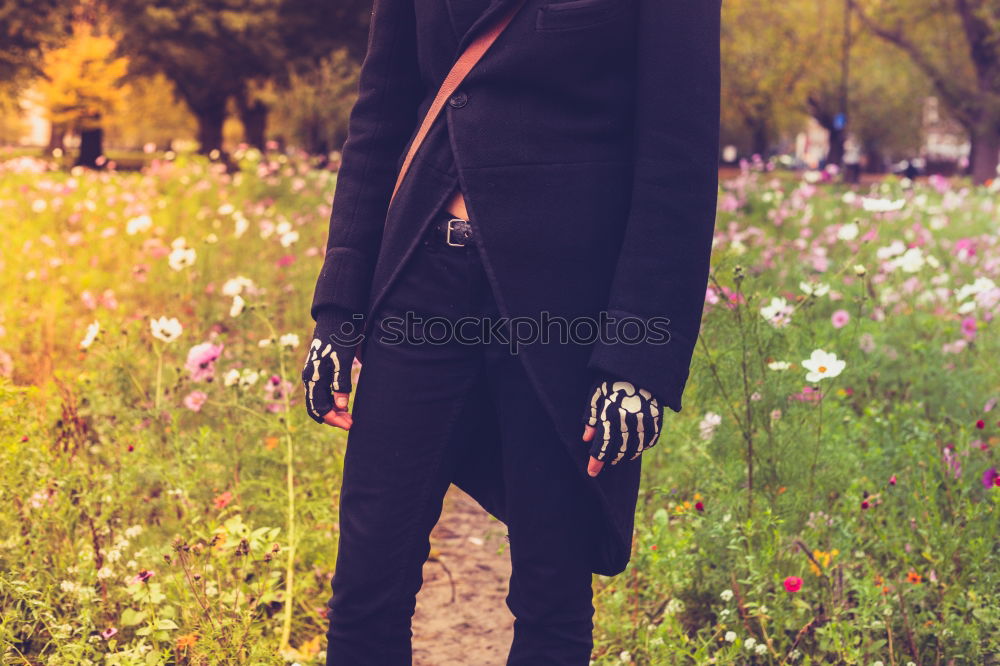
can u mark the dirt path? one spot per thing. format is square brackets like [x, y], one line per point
[462, 619]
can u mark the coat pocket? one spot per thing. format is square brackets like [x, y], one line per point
[572, 14]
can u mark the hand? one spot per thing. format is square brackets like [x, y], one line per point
[628, 419]
[326, 375]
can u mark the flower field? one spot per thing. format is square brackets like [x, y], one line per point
[829, 494]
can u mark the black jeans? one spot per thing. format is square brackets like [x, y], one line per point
[421, 412]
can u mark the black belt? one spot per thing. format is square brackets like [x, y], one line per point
[447, 229]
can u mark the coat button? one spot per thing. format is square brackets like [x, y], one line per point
[458, 100]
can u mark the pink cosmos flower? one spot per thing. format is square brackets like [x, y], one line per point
[141, 577]
[194, 400]
[201, 361]
[793, 584]
[108, 633]
[840, 318]
[991, 478]
[969, 328]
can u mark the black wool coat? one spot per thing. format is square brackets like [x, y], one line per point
[586, 144]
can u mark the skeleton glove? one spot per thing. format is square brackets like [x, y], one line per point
[328, 365]
[627, 420]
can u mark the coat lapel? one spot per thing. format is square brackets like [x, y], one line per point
[492, 12]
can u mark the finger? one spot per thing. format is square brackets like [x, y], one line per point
[594, 466]
[588, 432]
[340, 400]
[339, 419]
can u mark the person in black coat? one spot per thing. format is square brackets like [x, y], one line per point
[571, 178]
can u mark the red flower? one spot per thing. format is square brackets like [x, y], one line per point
[980, 424]
[699, 505]
[223, 500]
[793, 583]
[864, 504]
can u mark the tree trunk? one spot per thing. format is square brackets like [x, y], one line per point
[761, 138]
[211, 115]
[836, 153]
[56, 133]
[253, 115]
[91, 147]
[985, 153]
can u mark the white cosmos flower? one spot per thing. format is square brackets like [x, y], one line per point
[873, 205]
[181, 257]
[237, 285]
[848, 231]
[231, 377]
[891, 250]
[822, 365]
[709, 423]
[138, 224]
[777, 313]
[814, 288]
[249, 377]
[910, 261]
[779, 365]
[226, 209]
[287, 239]
[91, 335]
[237, 307]
[165, 329]
[242, 224]
[290, 340]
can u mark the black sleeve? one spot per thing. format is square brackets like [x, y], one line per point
[663, 266]
[380, 125]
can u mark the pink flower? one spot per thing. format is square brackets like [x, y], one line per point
[892, 480]
[194, 400]
[141, 577]
[108, 633]
[969, 328]
[840, 318]
[793, 584]
[201, 361]
[223, 500]
[991, 477]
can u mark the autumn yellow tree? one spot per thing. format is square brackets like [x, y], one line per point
[82, 83]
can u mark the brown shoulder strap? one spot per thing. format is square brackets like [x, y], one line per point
[469, 57]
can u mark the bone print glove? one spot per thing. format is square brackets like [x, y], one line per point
[627, 419]
[331, 357]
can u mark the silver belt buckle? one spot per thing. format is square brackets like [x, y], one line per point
[447, 238]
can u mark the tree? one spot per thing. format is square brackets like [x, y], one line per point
[27, 27]
[956, 44]
[82, 84]
[214, 50]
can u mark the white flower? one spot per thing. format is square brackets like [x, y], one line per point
[873, 205]
[91, 335]
[726, 595]
[625, 657]
[822, 365]
[134, 531]
[877, 663]
[179, 243]
[181, 257]
[289, 238]
[137, 224]
[674, 606]
[749, 643]
[777, 313]
[779, 365]
[859, 269]
[708, 425]
[891, 250]
[848, 231]
[730, 636]
[814, 288]
[760, 649]
[231, 377]
[290, 340]
[105, 572]
[265, 342]
[165, 329]
[236, 286]
[242, 224]
[249, 377]
[237, 307]
[226, 209]
[910, 261]
[211, 238]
